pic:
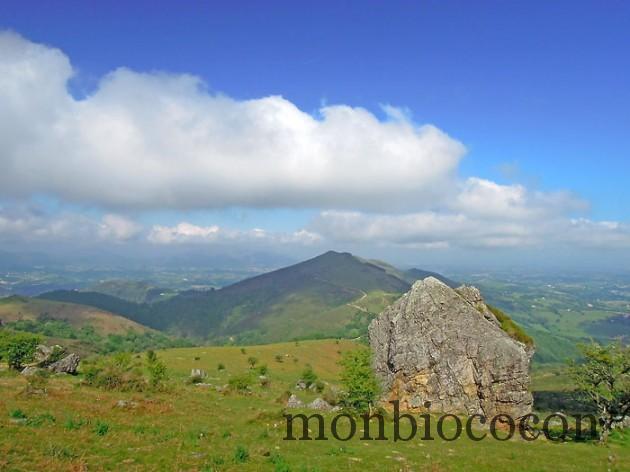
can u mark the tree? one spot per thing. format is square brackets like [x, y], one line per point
[156, 368]
[604, 378]
[362, 386]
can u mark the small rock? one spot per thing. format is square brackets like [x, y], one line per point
[198, 373]
[294, 402]
[320, 404]
[126, 404]
[300, 385]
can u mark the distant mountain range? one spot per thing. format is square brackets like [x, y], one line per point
[334, 294]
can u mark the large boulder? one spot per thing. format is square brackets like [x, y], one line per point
[442, 349]
[67, 365]
[44, 355]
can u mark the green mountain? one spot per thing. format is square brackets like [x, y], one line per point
[136, 291]
[334, 294]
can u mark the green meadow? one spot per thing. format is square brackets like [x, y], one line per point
[188, 427]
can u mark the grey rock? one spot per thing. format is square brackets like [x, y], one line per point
[126, 404]
[29, 371]
[436, 348]
[44, 355]
[67, 365]
[198, 373]
[300, 385]
[294, 402]
[320, 404]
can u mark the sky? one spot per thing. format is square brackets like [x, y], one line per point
[436, 132]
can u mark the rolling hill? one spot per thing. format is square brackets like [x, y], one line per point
[334, 294]
[18, 308]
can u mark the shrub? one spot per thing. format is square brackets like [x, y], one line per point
[101, 428]
[39, 420]
[157, 370]
[17, 348]
[362, 387]
[17, 414]
[308, 375]
[243, 351]
[279, 359]
[119, 372]
[241, 454]
[319, 386]
[240, 383]
[220, 366]
[252, 361]
[195, 379]
[262, 369]
[279, 463]
[72, 424]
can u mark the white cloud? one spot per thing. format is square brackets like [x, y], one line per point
[186, 233]
[24, 224]
[487, 199]
[118, 228]
[163, 141]
[431, 230]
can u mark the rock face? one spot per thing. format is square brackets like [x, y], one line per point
[443, 346]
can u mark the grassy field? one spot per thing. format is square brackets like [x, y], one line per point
[196, 428]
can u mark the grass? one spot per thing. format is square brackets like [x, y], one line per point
[510, 327]
[196, 428]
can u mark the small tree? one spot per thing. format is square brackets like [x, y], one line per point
[362, 387]
[252, 361]
[604, 377]
[156, 368]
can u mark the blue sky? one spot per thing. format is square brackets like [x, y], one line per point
[536, 92]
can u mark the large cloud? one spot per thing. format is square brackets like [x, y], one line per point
[483, 214]
[24, 224]
[160, 141]
[163, 141]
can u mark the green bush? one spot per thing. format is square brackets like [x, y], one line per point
[101, 428]
[119, 372]
[17, 414]
[240, 383]
[157, 370]
[309, 376]
[362, 387]
[241, 454]
[17, 348]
